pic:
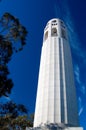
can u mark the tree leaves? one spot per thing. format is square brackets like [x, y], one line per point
[14, 116]
[21, 122]
[5, 86]
[12, 108]
[12, 30]
[12, 39]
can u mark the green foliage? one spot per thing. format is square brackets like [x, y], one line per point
[13, 109]
[12, 39]
[13, 31]
[13, 116]
[8, 123]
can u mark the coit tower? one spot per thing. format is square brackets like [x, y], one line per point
[56, 95]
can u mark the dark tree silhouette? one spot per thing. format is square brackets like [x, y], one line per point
[12, 39]
[13, 31]
[14, 116]
[21, 122]
[13, 109]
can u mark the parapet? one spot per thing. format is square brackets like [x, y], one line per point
[55, 28]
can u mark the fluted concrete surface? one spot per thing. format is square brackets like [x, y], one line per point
[56, 95]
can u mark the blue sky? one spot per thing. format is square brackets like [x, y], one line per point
[24, 66]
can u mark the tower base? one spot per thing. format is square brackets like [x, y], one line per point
[69, 128]
[54, 127]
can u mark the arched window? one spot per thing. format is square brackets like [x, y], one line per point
[46, 35]
[54, 21]
[54, 32]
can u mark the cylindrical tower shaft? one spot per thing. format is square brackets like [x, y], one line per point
[56, 95]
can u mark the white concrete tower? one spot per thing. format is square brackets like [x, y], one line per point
[56, 94]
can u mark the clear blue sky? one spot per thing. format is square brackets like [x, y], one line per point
[24, 66]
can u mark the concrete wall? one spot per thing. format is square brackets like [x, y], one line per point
[56, 96]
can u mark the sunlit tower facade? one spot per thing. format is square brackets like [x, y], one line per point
[56, 101]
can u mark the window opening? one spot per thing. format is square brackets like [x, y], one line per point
[46, 35]
[54, 21]
[54, 32]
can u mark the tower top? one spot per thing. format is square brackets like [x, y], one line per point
[55, 28]
[54, 20]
